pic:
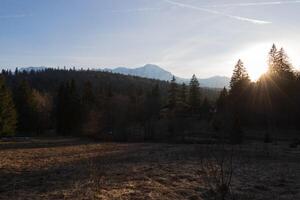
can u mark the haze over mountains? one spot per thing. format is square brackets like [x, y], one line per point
[156, 72]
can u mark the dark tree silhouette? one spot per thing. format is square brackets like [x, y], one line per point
[88, 97]
[194, 95]
[8, 118]
[183, 93]
[26, 108]
[221, 102]
[206, 109]
[69, 110]
[239, 101]
[121, 107]
[173, 94]
[239, 77]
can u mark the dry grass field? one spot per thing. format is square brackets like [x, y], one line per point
[70, 168]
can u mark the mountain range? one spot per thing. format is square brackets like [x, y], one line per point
[28, 69]
[155, 72]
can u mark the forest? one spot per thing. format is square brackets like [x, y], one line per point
[84, 134]
[71, 102]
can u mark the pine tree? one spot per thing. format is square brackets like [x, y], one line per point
[240, 75]
[74, 108]
[282, 88]
[152, 108]
[206, 109]
[239, 95]
[284, 65]
[279, 65]
[273, 59]
[194, 94]
[183, 93]
[91, 123]
[88, 97]
[16, 71]
[8, 116]
[44, 105]
[172, 94]
[26, 108]
[61, 108]
[69, 109]
[220, 118]
[222, 100]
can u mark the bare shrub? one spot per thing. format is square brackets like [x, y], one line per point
[216, 167]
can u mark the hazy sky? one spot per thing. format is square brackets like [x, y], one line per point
[183, 36]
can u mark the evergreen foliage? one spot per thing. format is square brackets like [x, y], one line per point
[183, 93]
[120, 107]
[8, 117]
[68, 109]
[194, 94]
[173, 94]
[239, 77]
[26, 108]
[221, 102]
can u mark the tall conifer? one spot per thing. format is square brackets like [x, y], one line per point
[194, 94]
[172, 93]
[8, 117]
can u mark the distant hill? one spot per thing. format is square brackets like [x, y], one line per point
[147, 71]
[156, 72]
[215, 82]
[28, 69]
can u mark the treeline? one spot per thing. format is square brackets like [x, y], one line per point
[271, 103]
[89, 103]
[119, 107]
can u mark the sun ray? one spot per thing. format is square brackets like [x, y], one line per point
[255, 59]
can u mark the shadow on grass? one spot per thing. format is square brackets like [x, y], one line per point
[62, 177]
[32, 143]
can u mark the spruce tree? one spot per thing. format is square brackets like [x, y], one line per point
[26, 108]
[194, 94]
[282, 88]
[43, 107]
[74, 109]
[221, 102]
[61, 108]
[155, 99]
[239, 87]
[172, 94]
[239, 98]
[240, 76]
[206, 109]
[69, 109]
[183, 93]
[8, 116]
[151, 113]
[285, 66]
[88, 97]
[220, 118]
[279, 65]
[273, 59]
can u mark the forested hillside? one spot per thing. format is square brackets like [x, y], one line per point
[83, 102]
[120, 107]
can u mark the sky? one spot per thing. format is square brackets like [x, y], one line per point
[186, 37]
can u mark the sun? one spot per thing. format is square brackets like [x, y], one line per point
[255, 59]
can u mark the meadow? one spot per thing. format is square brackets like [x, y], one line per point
[76, 168]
